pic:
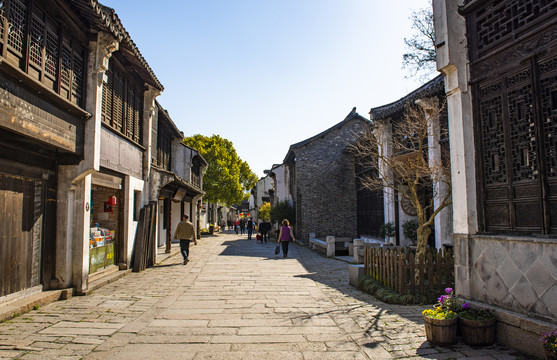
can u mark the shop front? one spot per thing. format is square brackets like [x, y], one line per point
[106, 222]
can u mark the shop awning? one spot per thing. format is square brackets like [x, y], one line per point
[176, 188]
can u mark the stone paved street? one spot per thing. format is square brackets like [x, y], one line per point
[234, 300]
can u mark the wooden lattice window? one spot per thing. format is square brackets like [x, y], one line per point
[2, 19]
[501, 20]
[38, 46]
[122, 102]
[16, 27]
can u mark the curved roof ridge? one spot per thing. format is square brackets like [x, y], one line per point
[436, 86]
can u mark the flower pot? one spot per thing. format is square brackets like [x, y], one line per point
[477, 332]
[549, 354]
[440, 331]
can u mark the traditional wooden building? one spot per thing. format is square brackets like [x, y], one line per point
[43, 118]
[176, 178]
[78, 100]
[394, 207]
[499, 59]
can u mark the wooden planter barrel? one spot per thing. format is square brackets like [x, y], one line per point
[440, 331]
[477, 332]
[550, 355]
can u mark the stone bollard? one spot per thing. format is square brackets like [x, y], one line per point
[311, 244]
[358, 244]
[354, 273]
[330, 246]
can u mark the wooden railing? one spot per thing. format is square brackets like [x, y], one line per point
[399, 269]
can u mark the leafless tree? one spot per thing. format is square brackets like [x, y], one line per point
[419, 57]
[400, 162]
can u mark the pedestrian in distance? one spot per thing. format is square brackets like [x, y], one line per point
[185, 232]
[285, 236]
[250, 226]
[236, 226]
[264, 229]
[242, 226]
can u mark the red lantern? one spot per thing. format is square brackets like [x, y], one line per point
[112, 200]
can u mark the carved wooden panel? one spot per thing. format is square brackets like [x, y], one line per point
[497, 216]
[548, 95]
[516, 112]
[500, 19]
[522, 127]
[492, 134]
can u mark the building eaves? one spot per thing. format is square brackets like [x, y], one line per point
[197, 153]
[169, 121]
[101, 17]
[432, 88]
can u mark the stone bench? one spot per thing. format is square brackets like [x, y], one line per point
[328, 245]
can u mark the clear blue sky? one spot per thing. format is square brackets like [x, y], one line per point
[266, 74]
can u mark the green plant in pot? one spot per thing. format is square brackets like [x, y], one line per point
[441, 321]
[387, 230]
[477, 326]
[549, 341]
[410, 230]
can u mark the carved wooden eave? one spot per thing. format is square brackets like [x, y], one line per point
[103, 18]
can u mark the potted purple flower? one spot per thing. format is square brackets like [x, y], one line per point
[441, 321]
[549, 341]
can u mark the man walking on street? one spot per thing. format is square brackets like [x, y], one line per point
[185, 232]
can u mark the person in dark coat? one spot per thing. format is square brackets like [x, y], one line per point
[265, 228]
[250, 226]
[242, 226]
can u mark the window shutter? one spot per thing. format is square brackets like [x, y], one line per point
[118, 102]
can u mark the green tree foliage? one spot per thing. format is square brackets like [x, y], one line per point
[283, 210]
[227, 177]
[264, 211]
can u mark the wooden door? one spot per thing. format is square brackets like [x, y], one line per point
[21, 232]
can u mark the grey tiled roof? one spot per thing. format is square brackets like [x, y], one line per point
[432, 88]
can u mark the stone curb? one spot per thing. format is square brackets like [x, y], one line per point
[20, 306]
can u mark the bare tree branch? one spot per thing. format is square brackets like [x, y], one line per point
[420, 55]
[400, 162]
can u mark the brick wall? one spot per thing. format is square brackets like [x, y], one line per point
[325, 184]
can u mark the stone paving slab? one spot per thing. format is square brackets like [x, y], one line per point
[234, 300]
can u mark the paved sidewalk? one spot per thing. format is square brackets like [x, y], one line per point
[234, 300]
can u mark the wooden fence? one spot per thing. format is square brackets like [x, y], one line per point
[399, 269]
